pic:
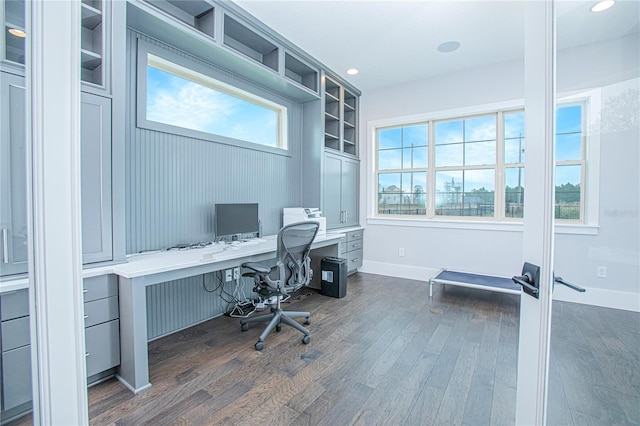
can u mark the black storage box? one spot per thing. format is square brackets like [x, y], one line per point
[334, 277]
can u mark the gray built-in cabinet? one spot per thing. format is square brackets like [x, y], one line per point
[13, 201]
[95, 130]
[15, 361]
[95, 178]
[340, 204]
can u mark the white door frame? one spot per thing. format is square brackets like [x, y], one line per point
[55, 243]
[538, 236]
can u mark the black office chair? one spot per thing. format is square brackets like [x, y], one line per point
[292, 271]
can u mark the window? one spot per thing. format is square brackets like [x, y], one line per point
[180, 100]
[474, 169]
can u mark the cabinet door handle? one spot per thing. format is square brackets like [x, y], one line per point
[86, 316]
[87, 354]
[346, 216]
[5, 245]
[356, 259]
[85, 290]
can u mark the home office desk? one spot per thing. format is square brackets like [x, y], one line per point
[148, 269]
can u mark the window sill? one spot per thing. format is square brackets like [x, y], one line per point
[572, 229]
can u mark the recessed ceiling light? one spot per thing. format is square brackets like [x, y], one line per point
[448, 46]
[18, 33]
[352, 71]
[603, 5]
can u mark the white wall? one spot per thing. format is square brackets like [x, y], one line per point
[496, 251]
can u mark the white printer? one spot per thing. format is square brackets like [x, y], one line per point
[301, 214]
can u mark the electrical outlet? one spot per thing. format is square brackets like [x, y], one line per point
[401, 252]
[236, 273]
[602, 272]
[228, 275]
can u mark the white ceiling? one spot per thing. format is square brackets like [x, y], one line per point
[392, 42]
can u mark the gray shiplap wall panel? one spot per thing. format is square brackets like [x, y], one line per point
[173, 183]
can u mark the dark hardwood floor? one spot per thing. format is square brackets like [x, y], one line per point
[384, 354]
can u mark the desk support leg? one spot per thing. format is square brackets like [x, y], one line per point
[134, 357]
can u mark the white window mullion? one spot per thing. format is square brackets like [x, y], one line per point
[499, 200]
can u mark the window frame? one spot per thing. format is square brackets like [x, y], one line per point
[207, 76]
[590, 166]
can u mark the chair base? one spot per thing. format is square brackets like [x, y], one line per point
[276, 318]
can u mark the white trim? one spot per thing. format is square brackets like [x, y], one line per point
[398, 271]
[477, 225]
[55, 244]
[627, 301]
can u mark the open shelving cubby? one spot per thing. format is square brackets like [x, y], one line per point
[14, 31]
[332, 114]
[92, 42]
[249, 43]
[198, 14]
[301, 73]
[349, 123]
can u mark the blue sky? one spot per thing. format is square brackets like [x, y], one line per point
[180, 102]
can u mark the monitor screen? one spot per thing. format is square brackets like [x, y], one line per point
[233, 219]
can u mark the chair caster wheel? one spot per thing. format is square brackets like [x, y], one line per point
[259, 346]
[306, 340]
[244, 327]
[278, 328]
[307, 320]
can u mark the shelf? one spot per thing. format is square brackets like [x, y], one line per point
[330, 136]
[331, 117]
[198, 14]
[300, 72]
[91, 17]
[249, 43]
[90, 60]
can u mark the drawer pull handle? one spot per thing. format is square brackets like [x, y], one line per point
[355, 236]
[5, 245]
[356, 259]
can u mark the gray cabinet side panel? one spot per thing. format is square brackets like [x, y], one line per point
[96, 178]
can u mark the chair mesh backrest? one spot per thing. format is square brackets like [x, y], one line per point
[294, 243]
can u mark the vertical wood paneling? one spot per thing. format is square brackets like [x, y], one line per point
[172, 185]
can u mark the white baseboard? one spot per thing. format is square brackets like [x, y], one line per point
[398, 271]
[600, 297]
[593, 296]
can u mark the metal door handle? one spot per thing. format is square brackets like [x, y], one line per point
[524, 280]
[572, 286]
[5, 245]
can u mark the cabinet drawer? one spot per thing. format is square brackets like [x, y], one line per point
[354, 235]
[354, 245]
[100, 287]
[354, 259]
[16, 377]
[102, 347]
[14, 304]
[15, 333]
[101, 310]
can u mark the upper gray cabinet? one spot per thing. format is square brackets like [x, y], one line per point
[340, 118]
[13, 178]
[96, 180]
[224, 35]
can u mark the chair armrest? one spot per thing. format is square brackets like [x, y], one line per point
[258, 267]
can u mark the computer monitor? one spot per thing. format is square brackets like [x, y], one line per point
[235, 219]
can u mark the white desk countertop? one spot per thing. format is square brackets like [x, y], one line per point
[142, 264]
